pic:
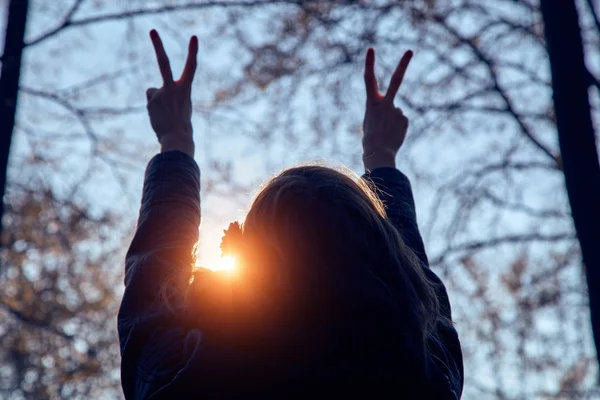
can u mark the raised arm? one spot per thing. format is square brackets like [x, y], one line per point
[159, 260]
[385, 128]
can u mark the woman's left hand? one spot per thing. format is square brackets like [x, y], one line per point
[384, 125]
[170, 106]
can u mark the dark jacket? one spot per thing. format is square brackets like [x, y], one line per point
[165, 356]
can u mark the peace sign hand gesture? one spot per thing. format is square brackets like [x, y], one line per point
[170, 107]
[384, 125]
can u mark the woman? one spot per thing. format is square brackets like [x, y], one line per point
[333, 295]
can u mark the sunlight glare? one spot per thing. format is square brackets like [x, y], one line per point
[224, 264]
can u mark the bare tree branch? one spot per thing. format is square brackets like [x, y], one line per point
[510, 109]
[494, 242]
[34, 322]
[520, 207]
[77, 112]
[83, 114]
[98, 80]
[68, 22]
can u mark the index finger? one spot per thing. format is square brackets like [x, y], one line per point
[398, 76]
[161, 57]
[370, 80]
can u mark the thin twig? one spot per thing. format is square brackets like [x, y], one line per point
[479, 245]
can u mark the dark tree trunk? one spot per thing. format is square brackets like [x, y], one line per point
[577, 139]
[9, 85]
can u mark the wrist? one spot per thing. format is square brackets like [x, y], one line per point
[379, 159]
[177, 142]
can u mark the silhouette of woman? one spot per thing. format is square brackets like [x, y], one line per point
[333, 295]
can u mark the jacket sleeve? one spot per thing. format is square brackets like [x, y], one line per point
[154, 346]
[394, 190]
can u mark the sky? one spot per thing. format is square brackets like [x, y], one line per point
[71, 58]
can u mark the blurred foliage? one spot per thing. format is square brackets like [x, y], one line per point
[58, 292]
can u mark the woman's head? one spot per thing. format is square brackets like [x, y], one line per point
[313, 225]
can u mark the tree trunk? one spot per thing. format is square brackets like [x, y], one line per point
[577, 139]
[9, 85]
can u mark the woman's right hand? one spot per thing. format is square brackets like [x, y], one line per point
[384, 125]
[170, 106]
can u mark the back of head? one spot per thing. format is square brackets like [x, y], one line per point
[325, 238]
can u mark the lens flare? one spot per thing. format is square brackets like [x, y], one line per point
[224, 264]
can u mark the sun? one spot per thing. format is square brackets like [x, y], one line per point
[209, 254]
[224, 264]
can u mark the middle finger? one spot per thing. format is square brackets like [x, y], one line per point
[398, 76]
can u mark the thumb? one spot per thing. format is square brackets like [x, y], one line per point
[150, 93]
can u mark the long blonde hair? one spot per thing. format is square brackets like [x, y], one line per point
[318, 223]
